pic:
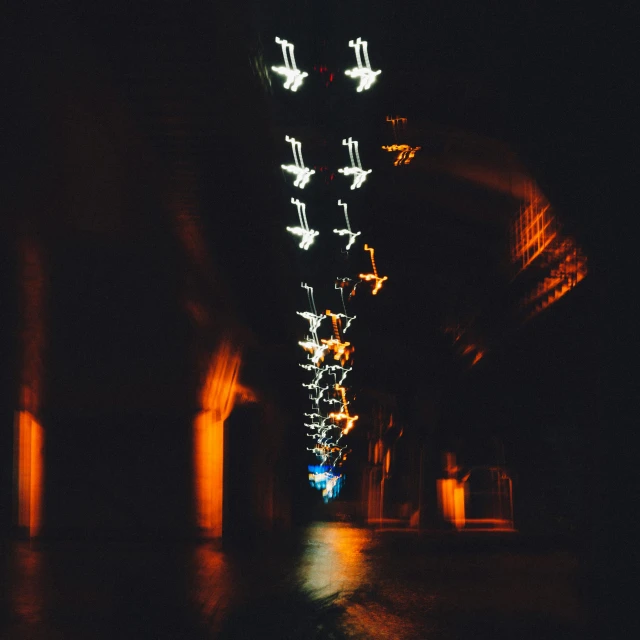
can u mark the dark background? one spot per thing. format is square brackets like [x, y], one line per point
[114, 110]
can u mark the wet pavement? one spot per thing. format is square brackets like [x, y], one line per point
[334, 581]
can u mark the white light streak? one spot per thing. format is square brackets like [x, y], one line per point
[340, 284]
[363, 71]
[293, 76]
[355, 170]
[306, 235]
[347, 231]
[302, 173]
[317, 350]
[336, 367]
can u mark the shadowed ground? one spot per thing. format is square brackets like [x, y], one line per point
[334, 581]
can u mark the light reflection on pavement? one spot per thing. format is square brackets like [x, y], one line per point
[388, 587]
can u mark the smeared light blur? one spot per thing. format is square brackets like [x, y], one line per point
[303, 174]
[355, 170]
[293, 76]
[29, 465]
[374, 275]
[363, 71]
[28, 432]
[217, 400]
[405, 153]
[537, 238]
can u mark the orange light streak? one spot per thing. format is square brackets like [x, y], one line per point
[29, 466]
[341, 350]
[451, 501]
[343, 415]
[217, 399]
[534, 228]
[571, 268]
[373, 276]
[406, 153]
[337, 324]
[397, 124]
[28, 432]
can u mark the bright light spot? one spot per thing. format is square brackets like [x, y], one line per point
[306, 235]
[355, 170]
[302, 173]
[363, 71]
[293, 76]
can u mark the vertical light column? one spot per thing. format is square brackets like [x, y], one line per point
[28, 462]
[217, 399]
[29, 471]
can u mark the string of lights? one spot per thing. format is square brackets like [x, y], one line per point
[328, 357]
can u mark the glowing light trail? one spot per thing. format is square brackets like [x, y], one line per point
[306, 235]
[341, 284]
[363, 71]
[405, 155]
[341, 350]
[293, 76]
[302, 173]
[355, 170]
[398, 124]
[347, 231]
[374, 275]
[312, 344]
[344, 416]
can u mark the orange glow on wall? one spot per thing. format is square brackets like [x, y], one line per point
[570, 268]
[28, 432]
[217, 399]
[534, 228]
[29, 471]
[405, 153]
[451, 501]
[537, 236]
[373, 276]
